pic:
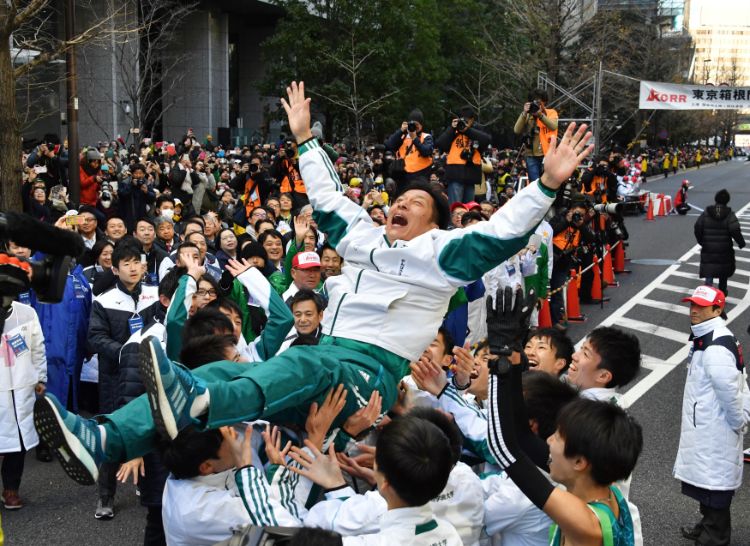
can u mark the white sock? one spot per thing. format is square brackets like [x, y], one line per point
[200, 405]
[102, 436]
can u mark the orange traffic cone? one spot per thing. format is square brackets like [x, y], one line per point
[662, 208]
[596, 285]
[650, 213]
[574, 306]
[619, 259]
[608, 272]
[545, 316]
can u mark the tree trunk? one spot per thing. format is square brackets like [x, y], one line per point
[10, 136]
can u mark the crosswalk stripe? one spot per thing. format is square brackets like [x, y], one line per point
[688, 291]
[687, 275]
[680, 309]
[654, 329]
[651, 362]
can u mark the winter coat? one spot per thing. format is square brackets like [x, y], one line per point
[65, 326]
[89, 184]
[109, 329]
[22, 365]
[133, 200]
[710, 452]
[714, 231]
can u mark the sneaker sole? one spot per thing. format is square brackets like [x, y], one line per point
[74, 458]
[12, 507]
[161, 411]
[100, 516]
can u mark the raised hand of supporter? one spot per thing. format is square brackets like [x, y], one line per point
[237, 268]
[508, 320]
[464, 369]
[320, 418]
[364, 418]
[366, 457]
[562, 158]
[272, 439]
[298, 111]
[354, 469]
[134, 468]
[319, 468]
[402, 404]
[241, 450]
[194, 268]
[301, 227]
[429, 376]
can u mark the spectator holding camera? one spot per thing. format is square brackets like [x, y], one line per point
[537, 124]
[413, 148]
[286, 172]
[570, 233]
[135, 193]
[463, 142]
[47, 164]
[90, 177]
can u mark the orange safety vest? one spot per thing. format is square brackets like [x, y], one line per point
[459, 144]
[413, 160]
[292, 182]
[546, 134]
[251, 197]
[597, 183]
[567, 239]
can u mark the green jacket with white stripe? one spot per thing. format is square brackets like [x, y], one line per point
[394, 294]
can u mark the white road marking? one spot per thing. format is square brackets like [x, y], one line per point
[660, 368]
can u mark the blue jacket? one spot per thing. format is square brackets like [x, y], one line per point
[65, 326]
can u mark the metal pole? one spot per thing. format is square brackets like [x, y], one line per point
[74, 183]
[598, 110]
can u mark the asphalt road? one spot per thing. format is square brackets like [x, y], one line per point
[60, 512]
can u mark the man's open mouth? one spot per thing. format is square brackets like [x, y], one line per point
[399, 220]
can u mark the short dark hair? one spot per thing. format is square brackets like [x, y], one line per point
[170, 281]
[471, 215]
[312, 536]
[184, 455]
[544, 396]
[126, 249]
[305, 294]
[199, 350]
[448, 341]
[187, 237]
[186, 244]
[197, 220]
[145, 220]
[98, 248]
[537, 93]
[113, 218]
[225, 303]
[207, 322]
[561, 343]
[620, 353]
[164, 198]
[446, 424]
[603, 433]
[271, 233]
[259, 222]
[415, 457]
[440, 208]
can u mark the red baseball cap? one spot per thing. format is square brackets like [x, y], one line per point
[706, 296]
[458, 205]
[471, 205]
[306, 260]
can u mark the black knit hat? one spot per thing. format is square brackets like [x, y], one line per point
[721, 197]
[253, 249]
[417, 115]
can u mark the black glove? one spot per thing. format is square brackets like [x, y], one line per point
[508, 324]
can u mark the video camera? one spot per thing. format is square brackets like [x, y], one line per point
[48, 275]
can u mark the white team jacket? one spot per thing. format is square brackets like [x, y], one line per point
[460, 504]
[710, 452]
[23, 364]
[386, 286]
[413, 526]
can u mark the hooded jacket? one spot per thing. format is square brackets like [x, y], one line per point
[714, 230]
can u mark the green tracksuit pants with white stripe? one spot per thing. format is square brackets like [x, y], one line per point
[280, 389]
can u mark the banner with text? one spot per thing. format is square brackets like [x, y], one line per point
[672, 96]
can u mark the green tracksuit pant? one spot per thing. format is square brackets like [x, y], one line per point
[280, 389]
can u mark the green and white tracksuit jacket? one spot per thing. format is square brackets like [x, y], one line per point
[386, 286]
[260, 293]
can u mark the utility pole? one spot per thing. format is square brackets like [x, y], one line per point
[74, 182]
[597, 121]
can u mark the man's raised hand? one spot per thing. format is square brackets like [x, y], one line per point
[562, 158]
[298, 111]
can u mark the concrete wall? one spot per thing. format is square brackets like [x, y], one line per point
[201, 101]
[251, 71]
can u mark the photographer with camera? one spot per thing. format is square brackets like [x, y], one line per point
[570, 234]
[285, 169]
[537, 124]
[463, 142]
[135, 193]
[47, 164]
[413, 148]
[599, 181]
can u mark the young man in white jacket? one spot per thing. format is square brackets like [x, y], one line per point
[401, 274]
[709, 459]
[23, 373]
